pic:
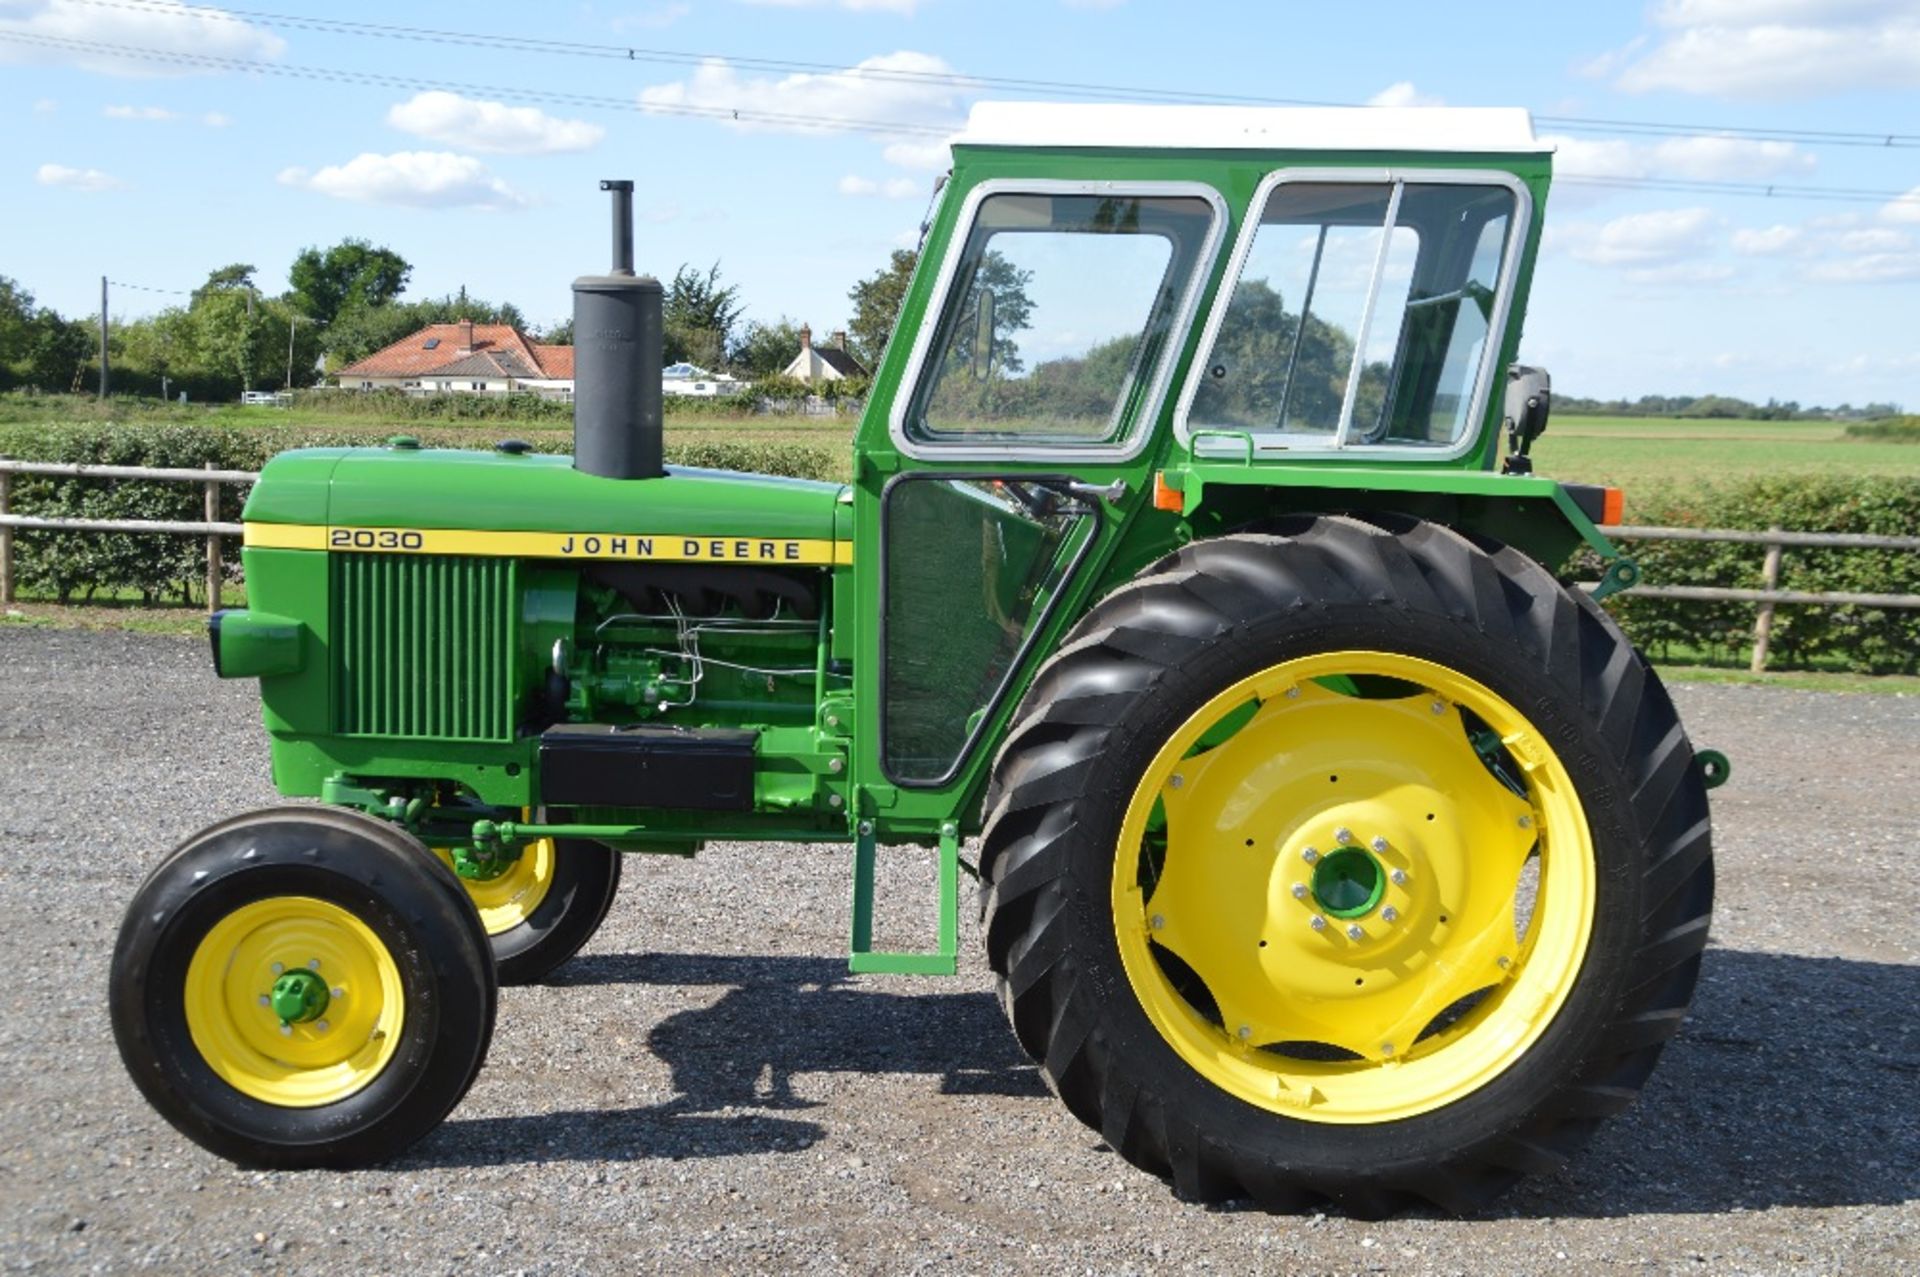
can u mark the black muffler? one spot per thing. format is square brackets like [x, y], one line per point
[617, 358]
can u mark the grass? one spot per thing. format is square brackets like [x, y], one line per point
[1651, 455]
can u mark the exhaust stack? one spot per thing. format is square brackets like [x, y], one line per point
[617, 348]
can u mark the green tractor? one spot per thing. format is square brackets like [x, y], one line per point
[1330, 844]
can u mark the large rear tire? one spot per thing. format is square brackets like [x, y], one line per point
[1358, 861]
[302, 987]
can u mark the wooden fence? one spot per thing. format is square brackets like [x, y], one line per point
[1770, 596]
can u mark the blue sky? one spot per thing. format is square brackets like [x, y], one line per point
[154, 173]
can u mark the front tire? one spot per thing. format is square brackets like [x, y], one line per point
[302, 987]
[547, 904]
[1359, 861]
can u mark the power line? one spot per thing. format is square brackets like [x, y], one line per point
[1056, 88]
[804, 121]
[145, 288]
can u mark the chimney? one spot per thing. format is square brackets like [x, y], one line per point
[840, 339]
[466, 337]
[806, 339]
[616, 360]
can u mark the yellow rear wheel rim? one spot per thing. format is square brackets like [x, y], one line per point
[300, 1065]
[509, 900]
[1383, 1008]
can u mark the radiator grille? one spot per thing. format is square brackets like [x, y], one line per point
[423, 646]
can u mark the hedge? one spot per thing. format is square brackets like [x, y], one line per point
[1868, 640]
[1860, 639]
[159, 567]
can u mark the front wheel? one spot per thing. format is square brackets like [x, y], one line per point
[1361, 861]
[544, 905]
[302, 987]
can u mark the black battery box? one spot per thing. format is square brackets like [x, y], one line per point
[685, 768]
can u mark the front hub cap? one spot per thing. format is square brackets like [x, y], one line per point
[1370, 883]
[299, 997]
[294, 1001]
[507, 898]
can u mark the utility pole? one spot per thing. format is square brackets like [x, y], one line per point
[293, 326]
[103, 336]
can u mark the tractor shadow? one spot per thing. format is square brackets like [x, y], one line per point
[733, 1062]
[1794, 1082]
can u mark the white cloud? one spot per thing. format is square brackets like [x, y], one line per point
[1771, 49]
[1093, 4]
[885, 90]
[931, 157]
[893, 188]
[1904, 209]
[159, 114]
[1867, 268]
[1769, 242]
[165, 26]
[412, 179]
[494, 127]
[1658, 238]
[45, 106]
[1404, 94]
[1704, 158]
[76, 179]
[853, 6]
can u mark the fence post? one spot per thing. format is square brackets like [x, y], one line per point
[1763, 622]
[214, 572]
[6, 541]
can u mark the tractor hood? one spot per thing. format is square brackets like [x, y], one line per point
[322, 498]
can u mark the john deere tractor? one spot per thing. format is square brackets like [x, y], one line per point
[1330, 844]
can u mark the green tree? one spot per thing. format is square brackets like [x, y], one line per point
[766, 349]
[38, 347]
[699, 317]
[876, 307]
[351, 274]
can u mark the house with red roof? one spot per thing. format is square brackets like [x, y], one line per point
[464, 358]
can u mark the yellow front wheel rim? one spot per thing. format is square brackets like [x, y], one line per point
[321, 1060]
[509, 900]
[1336, 906]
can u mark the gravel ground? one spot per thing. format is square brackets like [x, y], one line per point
[707, 1090]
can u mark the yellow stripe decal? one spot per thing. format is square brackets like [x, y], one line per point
[663, 547]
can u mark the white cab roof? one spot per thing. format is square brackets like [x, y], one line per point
[1136, 126]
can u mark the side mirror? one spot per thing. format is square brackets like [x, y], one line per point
[1529, 400]
[983, 335]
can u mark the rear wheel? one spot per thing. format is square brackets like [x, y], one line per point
[1361, 861]
[545, 905]
[302, 987]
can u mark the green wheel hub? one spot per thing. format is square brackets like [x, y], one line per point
[299, 997]
[1348, 882]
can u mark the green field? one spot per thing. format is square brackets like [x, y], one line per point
[1646, 455]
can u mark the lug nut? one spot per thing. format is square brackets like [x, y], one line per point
[1386, 1048]
[1389, 914]
[1246, 1031]
[1310, 854]
[1378, 844]
[1399, 877]
[313, 964]
[1356, 932]
[1299, 891]
[1439, 707]
[836, 764]
[1505, 963]
[1177, 780]
[1158, 921]
[337, 992]
[320, 1025]
[265, 1001]
[1317, 923]
[276, 967]
[1293, 693]
[1343, 835]
[286, 1030]
[1526, 822]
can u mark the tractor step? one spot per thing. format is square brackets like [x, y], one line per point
[862, 957]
